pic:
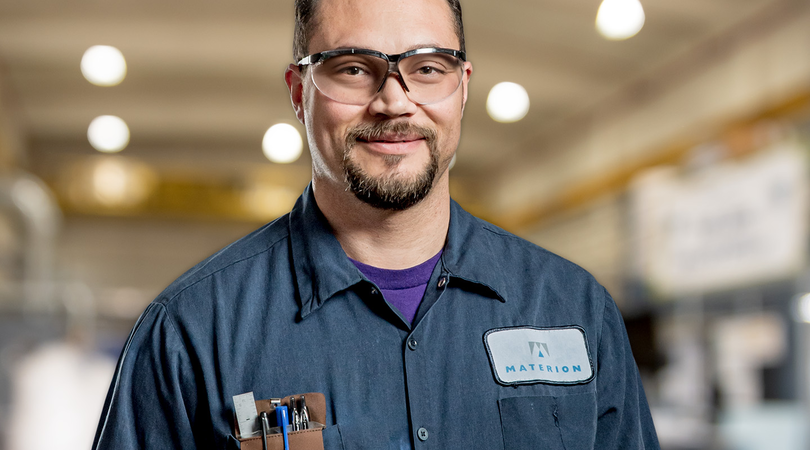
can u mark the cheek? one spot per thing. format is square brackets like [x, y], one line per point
[319, 119]
[327, 122]
[448, 125]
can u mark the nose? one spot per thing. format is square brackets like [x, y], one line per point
[392, 100]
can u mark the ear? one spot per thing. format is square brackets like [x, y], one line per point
[292, 76]
[468, 70]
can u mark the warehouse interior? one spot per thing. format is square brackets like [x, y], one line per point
[672, 165]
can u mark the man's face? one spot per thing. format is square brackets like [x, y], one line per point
[391, 151]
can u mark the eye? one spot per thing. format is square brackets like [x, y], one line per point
[349, 66]
[429, 72]
[426, 66]
[352, 70]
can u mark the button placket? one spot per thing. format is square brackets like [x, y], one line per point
[417, 356]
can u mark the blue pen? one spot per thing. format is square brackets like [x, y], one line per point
[281, 420]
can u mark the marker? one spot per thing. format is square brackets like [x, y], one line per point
[283, 423]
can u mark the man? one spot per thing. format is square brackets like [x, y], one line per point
[423, 326]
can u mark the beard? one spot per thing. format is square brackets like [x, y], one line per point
[390, 192]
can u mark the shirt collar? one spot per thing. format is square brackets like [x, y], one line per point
[471, 253]
[322, 268]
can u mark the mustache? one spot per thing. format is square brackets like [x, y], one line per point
[371, 131]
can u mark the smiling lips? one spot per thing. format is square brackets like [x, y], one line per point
[393, 143]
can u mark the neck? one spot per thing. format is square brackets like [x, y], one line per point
[382, 238]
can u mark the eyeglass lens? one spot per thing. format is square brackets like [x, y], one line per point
[355, 78]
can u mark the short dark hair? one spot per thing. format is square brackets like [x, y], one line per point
[305, 12]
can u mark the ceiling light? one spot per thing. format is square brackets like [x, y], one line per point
[619, 19]
[111, 181]
[108, 134]
[282, 143]
[803, 308]
[107, 181]
[507, 102]
[104, 65]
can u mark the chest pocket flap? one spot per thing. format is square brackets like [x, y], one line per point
[549, 422]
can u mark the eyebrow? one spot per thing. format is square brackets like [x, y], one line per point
[413, 47]
[426, 45]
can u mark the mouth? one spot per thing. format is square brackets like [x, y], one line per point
[392, 144]
[391, 139]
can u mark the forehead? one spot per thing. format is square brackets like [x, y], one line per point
[390, 26]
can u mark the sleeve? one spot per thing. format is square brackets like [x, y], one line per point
[623, 415]
[150, 404]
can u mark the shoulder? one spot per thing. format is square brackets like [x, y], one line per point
[256, 245]
[516, 252]
[533, 280]
[542, 286]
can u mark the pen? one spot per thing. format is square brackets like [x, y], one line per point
[304, 414]
[295, 418]
[283, 422]
[265, 427]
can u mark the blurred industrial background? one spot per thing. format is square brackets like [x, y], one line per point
[671, 164]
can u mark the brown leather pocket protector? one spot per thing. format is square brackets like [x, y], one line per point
[309, 439]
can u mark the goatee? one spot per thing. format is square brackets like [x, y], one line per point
[389, 191]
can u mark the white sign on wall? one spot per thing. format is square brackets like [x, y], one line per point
[734, 224]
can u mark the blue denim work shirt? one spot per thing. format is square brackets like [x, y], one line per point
[283, 311]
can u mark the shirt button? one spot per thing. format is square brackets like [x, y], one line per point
[373, 290]
[422, 434]
[412, 343]
[442, 282]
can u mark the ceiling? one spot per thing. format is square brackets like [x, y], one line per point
[205, 78]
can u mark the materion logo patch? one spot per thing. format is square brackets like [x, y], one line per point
[524, 355]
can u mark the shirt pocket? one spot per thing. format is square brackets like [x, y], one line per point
[327, 438]
[332, 439]
[565, 422]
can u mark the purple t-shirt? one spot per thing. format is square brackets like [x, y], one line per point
[403, 288]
